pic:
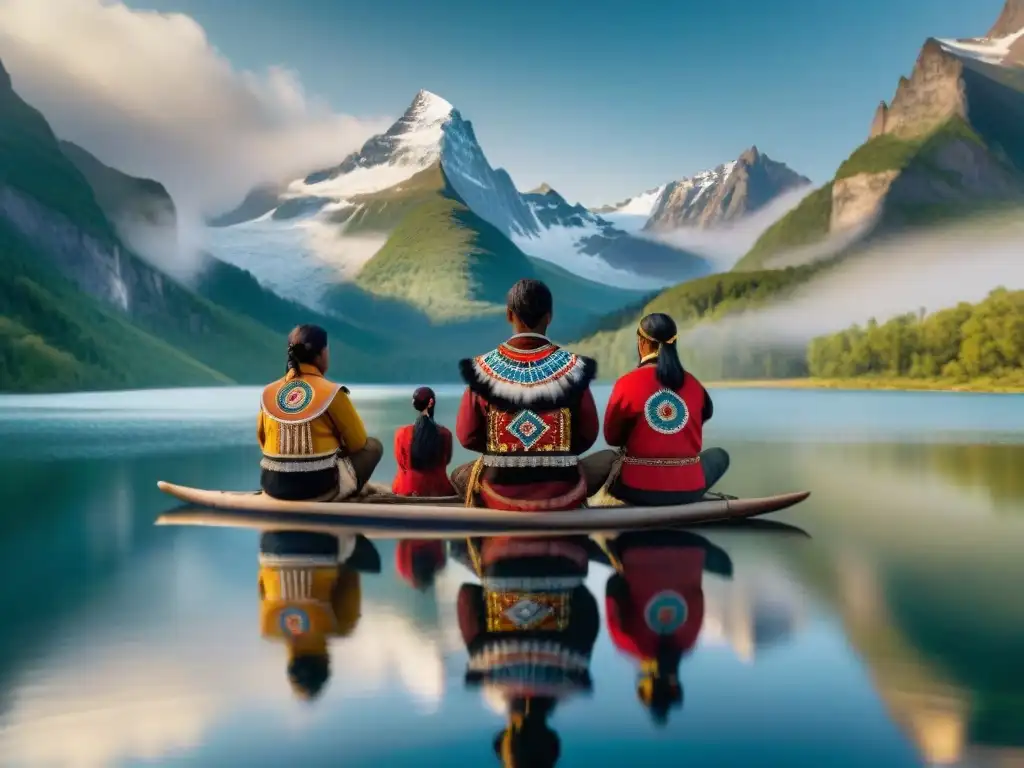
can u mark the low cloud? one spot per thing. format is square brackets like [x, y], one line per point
[929, 270]
[726, 245]
[148, 94]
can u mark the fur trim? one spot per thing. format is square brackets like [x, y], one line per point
[547, 394]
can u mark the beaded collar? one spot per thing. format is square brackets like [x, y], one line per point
[512, 376]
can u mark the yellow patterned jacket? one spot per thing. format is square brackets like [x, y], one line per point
[306, 604]
[308, 416]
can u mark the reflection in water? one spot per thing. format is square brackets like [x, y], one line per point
[655, 606]
[942, 648]
[529, 628]
[892, 638]
[309, 591]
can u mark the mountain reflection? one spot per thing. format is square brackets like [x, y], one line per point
[942, 647]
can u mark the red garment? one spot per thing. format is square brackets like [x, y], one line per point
[430, 551]
[664, 599]
[657, 427]
[528, 401]
[413, 482]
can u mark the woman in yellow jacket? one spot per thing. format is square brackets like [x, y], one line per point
[314, 444]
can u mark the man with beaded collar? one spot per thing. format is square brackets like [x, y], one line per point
[529, 411]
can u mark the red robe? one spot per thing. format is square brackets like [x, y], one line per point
[529, 410]
[661, 430]
[662, 603]
[414, 482]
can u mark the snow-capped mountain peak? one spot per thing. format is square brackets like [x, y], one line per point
[1004, 43]
[991, 50]
[431, 135]
[709, 198]
[428, 106]
[634, 213]
[413, 143]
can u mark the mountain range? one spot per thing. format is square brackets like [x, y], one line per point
[404, 249]
[431, 157]
[949, 145]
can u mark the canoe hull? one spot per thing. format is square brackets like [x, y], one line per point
[450, 520]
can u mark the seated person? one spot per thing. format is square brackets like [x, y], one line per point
[422, 451]
[529, 410]
[314, 444]
[656, 415]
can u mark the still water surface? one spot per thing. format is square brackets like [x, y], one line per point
[893, 637]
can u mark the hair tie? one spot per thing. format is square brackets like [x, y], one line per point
[653, 340]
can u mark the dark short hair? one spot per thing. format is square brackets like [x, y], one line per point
[530, 300]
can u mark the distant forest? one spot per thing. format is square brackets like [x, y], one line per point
[964, 343]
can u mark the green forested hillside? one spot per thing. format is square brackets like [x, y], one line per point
[696, 304]
[53, 337]
[169, 335]
[447, 262]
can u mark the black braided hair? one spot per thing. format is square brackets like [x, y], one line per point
[661, 329]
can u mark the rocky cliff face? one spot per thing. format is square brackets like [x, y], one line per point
[716, 197]
[141, 210]
[95, 266]
[959, 123]
[1010, 21]
[933, 94]
[49, 202]
[951, 140]
[726, 194]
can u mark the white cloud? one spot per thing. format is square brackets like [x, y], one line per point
[148, 94]
[931, 269]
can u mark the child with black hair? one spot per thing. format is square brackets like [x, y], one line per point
[422, 452]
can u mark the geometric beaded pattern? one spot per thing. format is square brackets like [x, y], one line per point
[665, 612]
[528, 428]
[530, 372]
[294, 396]
[526, 612]
[528, 431]
[294, 621]
[519, 611]
[665, 412]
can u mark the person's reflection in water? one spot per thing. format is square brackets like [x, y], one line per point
[655, 606]
[419, 561]
[309, 590]
[529, 628]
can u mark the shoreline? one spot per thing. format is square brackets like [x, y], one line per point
[887, 385]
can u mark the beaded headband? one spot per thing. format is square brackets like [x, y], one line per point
[650, 338]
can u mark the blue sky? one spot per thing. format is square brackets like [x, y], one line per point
[603, 100]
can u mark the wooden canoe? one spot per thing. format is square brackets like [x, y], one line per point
[450, 518]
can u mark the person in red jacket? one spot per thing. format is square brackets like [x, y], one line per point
[529, 410]
[654, 604]
[656, 415]
[422, 451]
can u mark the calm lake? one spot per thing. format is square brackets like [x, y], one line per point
[894, 636]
